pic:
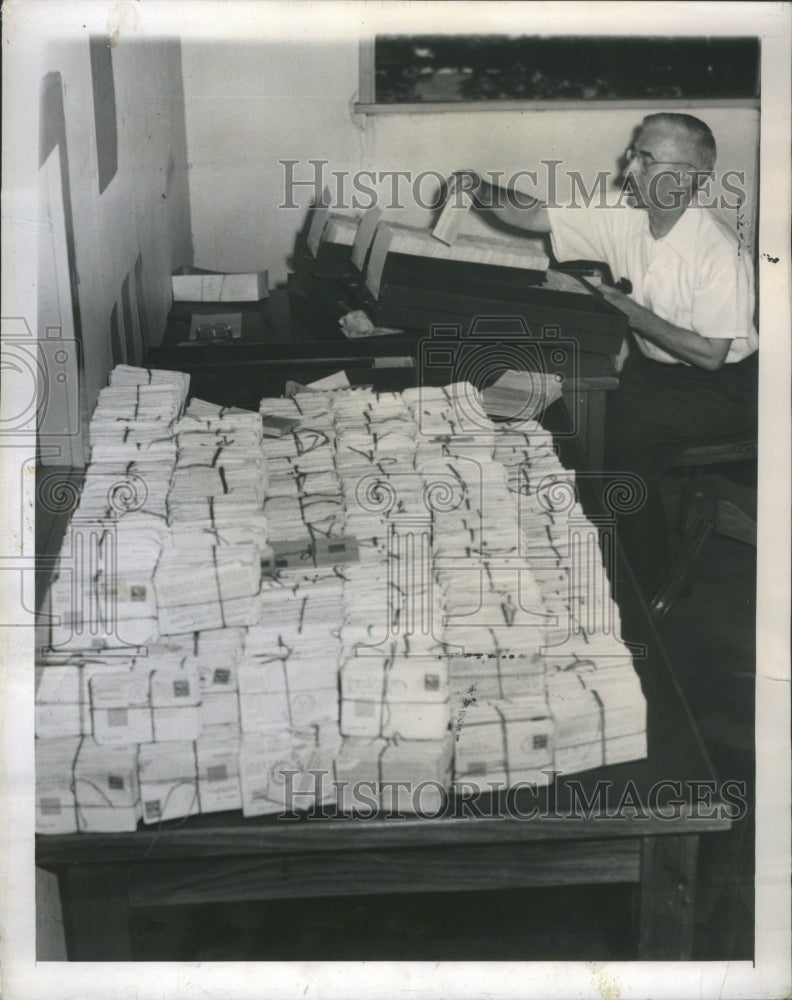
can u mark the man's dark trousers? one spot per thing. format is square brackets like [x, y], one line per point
[657, 412]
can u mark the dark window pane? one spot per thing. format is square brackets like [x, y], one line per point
[413, 69]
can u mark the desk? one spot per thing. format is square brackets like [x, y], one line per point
[225, 857]
[274, 341]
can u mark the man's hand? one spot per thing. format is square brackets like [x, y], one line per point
[618, 299]
[703, 352]
[470, 183]
[464, 180]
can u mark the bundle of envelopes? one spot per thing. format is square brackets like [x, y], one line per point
[349, 596]
[134, 415]
[103, 595]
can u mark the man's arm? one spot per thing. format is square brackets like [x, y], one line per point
[687, 345]
[510, 206]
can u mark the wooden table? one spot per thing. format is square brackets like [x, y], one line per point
[225, 857]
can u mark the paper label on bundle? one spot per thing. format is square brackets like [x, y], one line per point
[168, 800]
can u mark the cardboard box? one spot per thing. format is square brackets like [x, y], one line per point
[195, 284]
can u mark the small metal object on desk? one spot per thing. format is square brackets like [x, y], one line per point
[213, 331]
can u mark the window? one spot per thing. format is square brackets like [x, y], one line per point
[421, 70]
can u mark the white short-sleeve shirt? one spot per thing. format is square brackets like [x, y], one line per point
[695, 276]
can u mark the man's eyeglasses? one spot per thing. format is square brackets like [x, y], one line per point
[646, 160]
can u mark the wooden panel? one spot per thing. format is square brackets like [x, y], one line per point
[96, 913]
[367, 872]
[667, 907]
[225, 834]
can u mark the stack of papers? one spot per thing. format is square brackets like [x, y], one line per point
[104, 591]
[207, 589]
[405, 776]
[121, 707]
[501, 743]
[395, 695]
[600, 716]
[106, 788]
[59, 712]
[56, 806]
[168, 774]
[217, 760]
[103, 595]
[275, 769]
[467, 624]
[135, 414]
[293, 690]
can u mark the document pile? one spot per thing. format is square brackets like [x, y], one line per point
[393, 775]
[579, 704]
[217, 763]
[134, 415]
[210, 588]
[286, 684]
[285, 769]
[106, 788]
[209, 575]
[168, 775]
[56, 805]
[103, 595]
[304, 501]
[396, 708]
[348, 596]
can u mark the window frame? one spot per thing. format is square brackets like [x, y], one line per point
[367, 104]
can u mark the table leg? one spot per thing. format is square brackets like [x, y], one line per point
[667, 904]
[96, 913]
[594, 429]
[586, 410]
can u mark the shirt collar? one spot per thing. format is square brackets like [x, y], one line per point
[684, 236]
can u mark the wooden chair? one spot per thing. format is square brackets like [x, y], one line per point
[708, 502]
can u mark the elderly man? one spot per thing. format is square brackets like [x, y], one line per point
[691, 374]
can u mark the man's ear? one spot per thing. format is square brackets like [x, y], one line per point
[700, 180]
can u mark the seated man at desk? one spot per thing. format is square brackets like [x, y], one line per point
[691, 373]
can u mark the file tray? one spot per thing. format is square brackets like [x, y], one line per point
[421, 303]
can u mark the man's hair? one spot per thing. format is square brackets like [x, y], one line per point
[699, 132]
